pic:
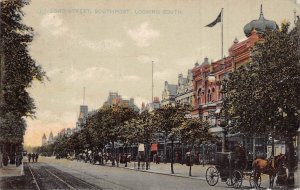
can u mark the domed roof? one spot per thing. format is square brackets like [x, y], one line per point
[261, 25]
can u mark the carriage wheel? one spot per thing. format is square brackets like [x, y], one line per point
[229, 181]
[254, 184]
[212, 176]
[237, 179]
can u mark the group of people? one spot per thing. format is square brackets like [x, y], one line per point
[33, 156]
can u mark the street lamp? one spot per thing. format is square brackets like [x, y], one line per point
[211, 77]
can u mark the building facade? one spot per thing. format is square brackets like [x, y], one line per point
[208, 96]
[151, 106]
[115, 99]
[169, 94]
[185, 90]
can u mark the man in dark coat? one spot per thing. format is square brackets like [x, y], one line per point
[240, 157]
[29, 157]
[36, 157]
[33, 157]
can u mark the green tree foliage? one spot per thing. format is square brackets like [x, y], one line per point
[13, 128]
[113, 122]
[168, 118]
[264, 95]
[193, 131]
[17, 71]
[143, 130]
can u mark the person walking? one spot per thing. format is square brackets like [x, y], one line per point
[36, 157]
[29, 157]
[33, 157]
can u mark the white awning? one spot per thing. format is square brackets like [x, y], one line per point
[215, 130]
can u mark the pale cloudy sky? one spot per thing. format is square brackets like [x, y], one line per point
[108, 45]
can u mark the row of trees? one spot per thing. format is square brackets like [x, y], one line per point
[111, 124]
[17, 72]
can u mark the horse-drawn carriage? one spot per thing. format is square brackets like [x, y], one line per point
[231, 169]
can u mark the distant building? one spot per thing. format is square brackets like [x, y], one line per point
[50, 139]
[44, 140]
[151, 106]
[83, 113]
[169, 94]
[115, 99]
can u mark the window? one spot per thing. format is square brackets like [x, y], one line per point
[199, 94]
[208, 95]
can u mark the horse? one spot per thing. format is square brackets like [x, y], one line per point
[268, 167]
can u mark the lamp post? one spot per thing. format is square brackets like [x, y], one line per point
[211, 78]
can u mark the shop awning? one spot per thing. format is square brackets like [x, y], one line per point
[141, 148]
[154, 147]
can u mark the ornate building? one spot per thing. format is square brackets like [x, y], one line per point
[185, 91]
[208, 96]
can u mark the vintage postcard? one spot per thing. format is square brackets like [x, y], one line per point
[153, 94]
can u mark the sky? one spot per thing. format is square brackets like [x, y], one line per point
[108, 46]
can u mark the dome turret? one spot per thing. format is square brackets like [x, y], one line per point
[261, 25]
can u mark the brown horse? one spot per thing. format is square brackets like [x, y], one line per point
[268, 167]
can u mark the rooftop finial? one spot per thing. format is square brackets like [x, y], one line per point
[261, 11]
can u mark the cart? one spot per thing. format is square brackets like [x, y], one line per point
[228, 168]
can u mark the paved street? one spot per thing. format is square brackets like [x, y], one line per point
[50, 173]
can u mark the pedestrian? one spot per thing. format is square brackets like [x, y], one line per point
[240, 157]
[29, 157]
[36, 157]
[33, 157]
[157, 159]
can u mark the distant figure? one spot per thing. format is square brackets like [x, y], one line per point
[29, 157]
[154, 157]
[241, 157]
[19, 158]
[157, 159]
[36, 157]
[33, 157]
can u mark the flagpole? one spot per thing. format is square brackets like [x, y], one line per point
[222, 56]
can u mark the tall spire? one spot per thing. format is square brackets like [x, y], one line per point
[261, 11]
[83, 94]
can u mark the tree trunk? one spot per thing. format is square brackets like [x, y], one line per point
[165, 148]
[102, 159]
[191, 161]
[291, 161]
[147, 155]
[172, 156]
[1, 155]
[125, 155]
[113, 154]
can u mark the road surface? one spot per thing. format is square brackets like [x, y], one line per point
[78, 175]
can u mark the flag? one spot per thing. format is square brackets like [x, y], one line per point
[218, 19]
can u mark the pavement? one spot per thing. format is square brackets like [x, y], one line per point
[11, 170]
